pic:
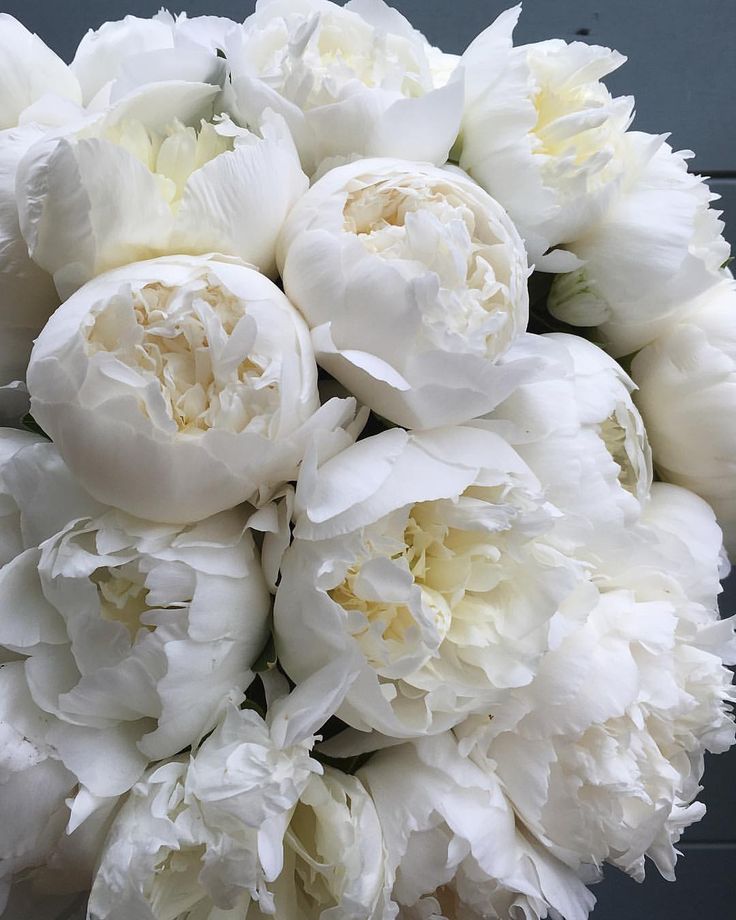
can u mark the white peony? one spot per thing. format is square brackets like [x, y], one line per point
[541, 133]
[657, 246]
[120, 56]
[29, 70]
[602, 753]
[426, 555]
[579, 431]
[133, 633]
[414, 282]
[11, 536]
[27, 293]
[44, 853]
[455, 845]
[205, 834]
[687, 395]
[334, 859]
[350, 81]
[180, 387]
[38, 94]
[689, 552]
[33, 783]
[183, 178]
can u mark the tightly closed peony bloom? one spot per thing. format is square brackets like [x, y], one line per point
[205, 834]
[350, 81]
[180, 387]
[120, 56]
[455, 845]
[687, 395]
[413, 281]
[133, 633]
[581, 434]
[29, 70]
[658, 245]
[426, 555]
[541, 133]
[184, 181]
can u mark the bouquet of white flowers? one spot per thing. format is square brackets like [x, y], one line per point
[336, 582]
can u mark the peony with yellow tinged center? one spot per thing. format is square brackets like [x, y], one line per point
[441, 580]
[543, 135]
[616, 432]
[310, 56]
[172, 153]
[578, 123]
[123, 595]
[462, 578]
[387, 628]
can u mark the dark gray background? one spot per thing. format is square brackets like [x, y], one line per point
[682, 70]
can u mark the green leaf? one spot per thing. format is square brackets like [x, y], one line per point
[345, 764]
[266, 661]
[30, 424]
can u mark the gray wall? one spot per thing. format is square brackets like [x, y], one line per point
[682, 70]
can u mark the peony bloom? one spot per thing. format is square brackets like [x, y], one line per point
[350, 81]
[413, 281]
[206, 833]
[184, 180]
[687, 395]
[579, 431]
[11, 537]
[44, 854]
[689, 550]
[133, 633]
[180, 387]
[29, 70]
[334, 859]
[601, 755]
[427, 556]
[454, 843]
[542, 134]
[27, 293]
[38, 94]
[121, 56]
[657, 246]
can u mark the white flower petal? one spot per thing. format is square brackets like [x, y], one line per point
[29, 70]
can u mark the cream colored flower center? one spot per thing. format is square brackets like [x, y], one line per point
[187, 339]
[579, 125]
[122, 593]
[389, 626]
[425, 228]
[317, 873]
[172, 154]
[618, 433]
[459, 578]
[310, 59]
[174, 887]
